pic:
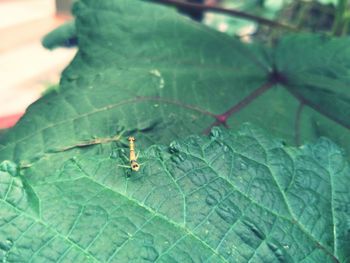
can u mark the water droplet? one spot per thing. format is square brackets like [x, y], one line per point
[181, 157]
[228, 214]
[6, 246]
[211, 200]
[9, 167]
[191, 140]
[156, 105]
[149, 253]
[279, 253]
[215, 133]
[281, 142]
[257, 232]
[9, 242]
[174, 147]
[114, 154]
[226, 149]
[177, 159]
[240, 164]
[199, 179]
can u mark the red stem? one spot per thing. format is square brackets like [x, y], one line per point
[222, 118]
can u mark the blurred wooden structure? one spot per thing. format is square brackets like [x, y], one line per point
[26, 68]
[63, 7]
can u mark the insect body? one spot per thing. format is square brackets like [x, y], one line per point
[133, 158]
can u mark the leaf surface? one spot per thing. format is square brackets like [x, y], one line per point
[229, 197]
[142, 69]
[145, 69]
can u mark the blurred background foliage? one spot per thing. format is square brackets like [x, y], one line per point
[328, 16]
[249, 20]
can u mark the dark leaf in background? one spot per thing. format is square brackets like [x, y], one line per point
[195, 15]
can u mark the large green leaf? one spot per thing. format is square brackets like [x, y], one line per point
[146, 69]
[143, 69]
[228, 197]
[64, 35]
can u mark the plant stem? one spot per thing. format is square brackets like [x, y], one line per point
[346, 26]
[339, 22]
[232, 12]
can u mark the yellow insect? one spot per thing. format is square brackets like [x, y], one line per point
[133, 157]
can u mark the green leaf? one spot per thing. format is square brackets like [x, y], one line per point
[62, 36]
[229, 197]
[145, 69]
[334, 2]
[2, 132]
[319, 80]
[120, 80]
